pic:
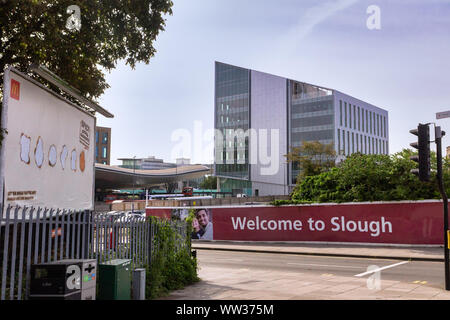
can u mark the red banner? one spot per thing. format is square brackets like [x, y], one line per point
[390, 223]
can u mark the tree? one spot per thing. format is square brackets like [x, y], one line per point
[42, 32]
[209, 183]
[312, 158]
[371, 178]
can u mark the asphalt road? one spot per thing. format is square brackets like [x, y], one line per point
[429, 273]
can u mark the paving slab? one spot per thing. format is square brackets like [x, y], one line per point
[220, 283]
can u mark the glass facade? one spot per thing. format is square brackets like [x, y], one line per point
[232, 114]
[230, 185]
[310, 113]
[311, 118]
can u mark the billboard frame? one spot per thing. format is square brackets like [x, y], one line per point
[4, 120]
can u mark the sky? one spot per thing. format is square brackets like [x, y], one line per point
[403, 67]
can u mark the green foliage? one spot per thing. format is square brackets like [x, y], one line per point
[209, 183]
[172, 265]
[363, 178]
[278, 203]
[113, 30]
[35, 31]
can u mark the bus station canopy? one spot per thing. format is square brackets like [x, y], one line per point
[114, 177]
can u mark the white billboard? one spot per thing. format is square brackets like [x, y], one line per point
[47, 156]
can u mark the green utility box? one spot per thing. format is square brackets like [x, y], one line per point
[114, 280]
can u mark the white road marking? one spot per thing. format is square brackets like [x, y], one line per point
[322, 265]
[380, 269]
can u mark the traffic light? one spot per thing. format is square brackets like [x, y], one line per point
[423, 145]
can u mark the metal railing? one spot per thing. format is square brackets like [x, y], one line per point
[37, 235]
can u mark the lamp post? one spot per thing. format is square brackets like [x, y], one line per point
[134, 182]
[176, 177]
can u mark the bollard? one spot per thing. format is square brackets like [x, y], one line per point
[139, 284]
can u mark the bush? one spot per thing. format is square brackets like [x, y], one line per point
[172, 266]
[362, 178]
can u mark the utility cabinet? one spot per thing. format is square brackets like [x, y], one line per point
[69, 279]
[114, 280]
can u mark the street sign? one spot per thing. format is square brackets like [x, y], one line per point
[442, 115]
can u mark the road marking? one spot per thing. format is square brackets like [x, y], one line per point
[420, 282]
[322, 265]
[380, 269]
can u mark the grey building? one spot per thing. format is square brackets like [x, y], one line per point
[149, 163]
[284, 113]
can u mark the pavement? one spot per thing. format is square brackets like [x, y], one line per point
[219, 281]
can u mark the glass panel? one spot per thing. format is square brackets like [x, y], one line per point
[232, 115]
[350, 115]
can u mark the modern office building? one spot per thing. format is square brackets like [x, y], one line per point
[284, 113]
[103, 145]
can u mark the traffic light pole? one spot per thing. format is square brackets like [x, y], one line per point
[438, 141]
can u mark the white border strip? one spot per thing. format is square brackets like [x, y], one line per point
[380, 269]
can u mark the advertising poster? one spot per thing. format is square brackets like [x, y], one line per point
[47, 156]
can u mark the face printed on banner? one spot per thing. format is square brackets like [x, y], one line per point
[203, 218]
[195, 225]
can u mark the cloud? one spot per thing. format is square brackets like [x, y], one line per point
[316, 15]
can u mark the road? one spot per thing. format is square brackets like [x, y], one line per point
[243, 275]
[432, 272]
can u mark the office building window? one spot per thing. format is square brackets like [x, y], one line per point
[361, 143]
[105, 137]
[340, 109]
[354, 117]
[362, 118]
[359, 119]
[385, 131]
[353, 142]
[365, 144]
[96, 151]
[370, 122]
[104, 152]
[350, 115]
[339, 141]
[381, 126]
[345, 107]
[96, 136]
[378, 125]
[373, 144]
[367, 121]
[348, 142]
[374, 124]
[357, 143]
[343, 142]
